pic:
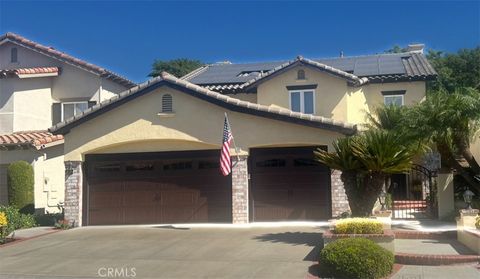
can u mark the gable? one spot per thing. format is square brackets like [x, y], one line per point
[138, 126]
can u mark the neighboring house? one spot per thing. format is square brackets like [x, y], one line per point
[152, 155]
[40, 87]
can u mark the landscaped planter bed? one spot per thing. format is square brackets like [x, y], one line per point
[385, 240]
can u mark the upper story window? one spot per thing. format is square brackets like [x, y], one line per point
[301, 74]
[395, 98]
[302, 101]
[13, 55]
[70, 109]
[167, 103]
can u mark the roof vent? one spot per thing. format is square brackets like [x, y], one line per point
[226, 62]
[416, 48]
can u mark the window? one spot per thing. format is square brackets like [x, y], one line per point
[301, 74]
[13, 55]
[167, 103]
[396, 100]
[272, 163]
[71, 109]
[302, 101]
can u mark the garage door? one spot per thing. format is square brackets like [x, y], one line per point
[156, 188]
[288, 184]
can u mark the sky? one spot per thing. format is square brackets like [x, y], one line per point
[127, 36]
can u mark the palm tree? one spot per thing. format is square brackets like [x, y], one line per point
[365, 161]
[449, 120]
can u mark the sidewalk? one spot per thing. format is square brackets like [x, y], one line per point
[32, 232]
[437, 272]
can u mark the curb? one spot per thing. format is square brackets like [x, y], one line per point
[22, 239]
[435, 260]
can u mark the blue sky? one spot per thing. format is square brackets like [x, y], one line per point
[126, 36]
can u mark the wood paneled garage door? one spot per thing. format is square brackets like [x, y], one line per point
[288, 184]
[156, 188]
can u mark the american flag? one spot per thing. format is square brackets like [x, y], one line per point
[225, 161]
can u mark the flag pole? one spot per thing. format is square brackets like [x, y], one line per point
[233, 138]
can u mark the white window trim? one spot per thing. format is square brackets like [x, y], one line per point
[67, 103]
[302, 99]
[402, 97]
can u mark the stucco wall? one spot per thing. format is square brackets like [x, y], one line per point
[364, 99]
[333, 97]
[136, 127]
[6, 106]
[49, 174]
[26, 104]
[475, 147]
[330, 94]
[32, 104]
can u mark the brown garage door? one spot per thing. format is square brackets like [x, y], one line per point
[288, 184]
[155, 188]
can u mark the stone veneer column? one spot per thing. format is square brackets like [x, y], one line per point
[339, 197]
[240, 189]
[73, 192]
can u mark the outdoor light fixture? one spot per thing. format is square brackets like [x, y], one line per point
[381, 199]
[467, 197]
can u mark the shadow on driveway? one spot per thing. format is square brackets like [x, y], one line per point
[312, 239]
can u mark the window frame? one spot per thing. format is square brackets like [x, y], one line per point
[69, 103]
[302, 100]
[402, 96]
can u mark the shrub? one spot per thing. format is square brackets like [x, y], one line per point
[355, 258]
[63, 224]
[20, 182]
[358, 226]
[16, 220]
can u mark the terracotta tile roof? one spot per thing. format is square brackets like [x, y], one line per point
[208, 95]
[37, 70]
[49, 51]
[30, 71]
[29, 138]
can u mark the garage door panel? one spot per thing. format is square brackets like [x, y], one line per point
[166, 191]
[288, 184]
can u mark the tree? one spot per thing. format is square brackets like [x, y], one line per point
[461, 69]
[365, 161]
[177, 67]
[450, 120]
[396, 49]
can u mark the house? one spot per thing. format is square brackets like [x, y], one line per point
[40, 87]
[151, 154]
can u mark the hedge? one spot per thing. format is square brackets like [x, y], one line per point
[20, 181]
[358, 226]
[355, 258]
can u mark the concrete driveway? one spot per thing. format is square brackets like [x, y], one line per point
[165, 252]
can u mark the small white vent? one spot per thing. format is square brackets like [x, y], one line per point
[167, 103]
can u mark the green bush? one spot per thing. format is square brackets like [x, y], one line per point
[355, 258]
[17, 220]
[358, 226]
[20, 182]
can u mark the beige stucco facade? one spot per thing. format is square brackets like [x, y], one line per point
[334, 98]
[48, 170]
[26, 104]
[195, 125]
